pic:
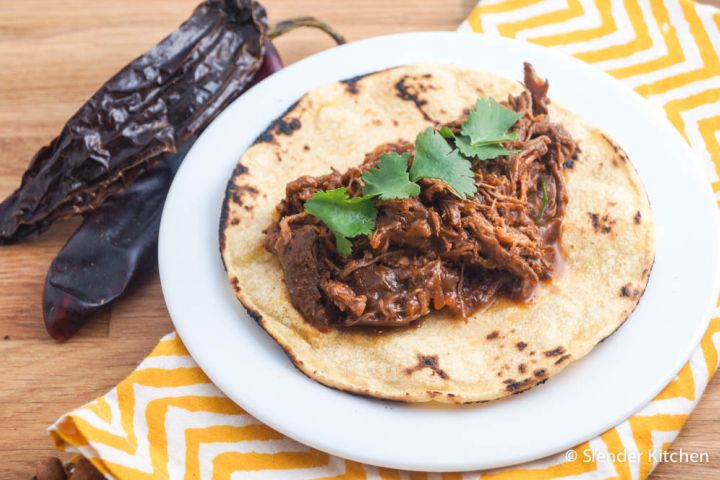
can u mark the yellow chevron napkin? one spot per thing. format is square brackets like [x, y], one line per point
[166, 420]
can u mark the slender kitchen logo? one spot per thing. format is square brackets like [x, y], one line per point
[653, 455]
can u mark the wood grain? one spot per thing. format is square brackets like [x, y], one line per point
[54, 55]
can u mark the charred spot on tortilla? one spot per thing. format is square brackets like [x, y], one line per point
[254, 314]
[555, 352]
[281, 125]
[240, 192]
[404, 93]
[629, 291]
[407, 285]
[287, 127]
[616, 148]
[411, 93]
[239, 171]
[515, 386]
[602, 224]
[428, 361]
[351, 84]
[561, 359]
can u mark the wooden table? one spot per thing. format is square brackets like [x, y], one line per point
[54, 56]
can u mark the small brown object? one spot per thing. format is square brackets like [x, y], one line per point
[50, 469]
[84, 470]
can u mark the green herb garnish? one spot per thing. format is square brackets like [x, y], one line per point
[345, 217]
[485, 129]
[390, 179]
[543, 188]
[481, 137]
[435, 158]
[489, 122]
[482, 152]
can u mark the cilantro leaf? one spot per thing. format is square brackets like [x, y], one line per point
[485, 151]
[489, 122]
[345, 217]
[435, 158]
[390, 178]
[482, 151]
[543, 189]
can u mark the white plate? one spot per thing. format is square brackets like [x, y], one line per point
[615, 380]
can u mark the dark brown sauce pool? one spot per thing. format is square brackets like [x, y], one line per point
[559, 268]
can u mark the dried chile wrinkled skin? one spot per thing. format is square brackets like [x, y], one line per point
[151, 107]
[117, 243]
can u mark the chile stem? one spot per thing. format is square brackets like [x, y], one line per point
[285, 26]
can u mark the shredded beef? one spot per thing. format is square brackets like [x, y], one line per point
[435, 251]
[538, 88]
[305, 271]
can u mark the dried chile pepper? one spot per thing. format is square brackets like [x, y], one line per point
[117, 242]
[151, 107]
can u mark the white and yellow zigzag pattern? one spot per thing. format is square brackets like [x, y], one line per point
[167, 421]
[668, 51]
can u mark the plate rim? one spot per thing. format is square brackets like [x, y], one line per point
[194, 349]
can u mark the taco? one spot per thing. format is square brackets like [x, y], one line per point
[435, 233]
